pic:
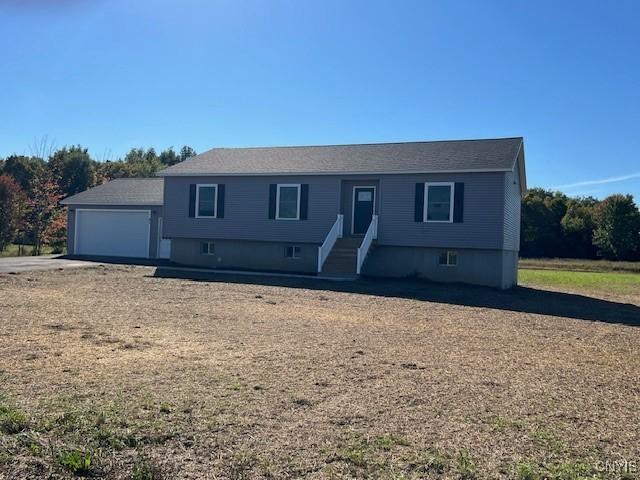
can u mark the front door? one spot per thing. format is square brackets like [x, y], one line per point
[363, 199]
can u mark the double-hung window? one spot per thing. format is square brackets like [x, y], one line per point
[206, 201]
[438, 202]
[288, 202]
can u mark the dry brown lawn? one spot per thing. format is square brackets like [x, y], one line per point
[116, 373]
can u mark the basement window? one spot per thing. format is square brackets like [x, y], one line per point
[207, 248]
[448, 259]
[292, 251]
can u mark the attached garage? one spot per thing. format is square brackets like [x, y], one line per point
[121, 218]
[114, 233]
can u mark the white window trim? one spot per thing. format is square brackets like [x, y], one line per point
[209, 252]
[426, 201]
[448, 253]
[280, 185]
[215, 200]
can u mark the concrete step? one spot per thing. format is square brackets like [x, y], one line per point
[338, 271]
[341, 261]
[339, 268]
[342, 258]
[348, 254]
[340, 276]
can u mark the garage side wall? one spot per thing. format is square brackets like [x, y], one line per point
[156, 212]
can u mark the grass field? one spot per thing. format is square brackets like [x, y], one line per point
[13, 250]
[579, 265]
[606, 283]
[118, 372]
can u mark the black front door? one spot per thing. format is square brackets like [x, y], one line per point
[363, 198]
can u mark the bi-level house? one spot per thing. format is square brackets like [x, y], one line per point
[444, 210]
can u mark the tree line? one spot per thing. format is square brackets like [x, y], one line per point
[555, 225]
[31, 187]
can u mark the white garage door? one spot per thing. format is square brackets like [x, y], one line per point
[117, 233]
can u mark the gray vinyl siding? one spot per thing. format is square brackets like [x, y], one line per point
[247, 199]
[247, 207]
[512, 206]
[156, 211]
[483, 212]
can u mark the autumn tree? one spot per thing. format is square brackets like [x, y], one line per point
[55, 235]
[43, 209]
[23, 169]
[12, 209]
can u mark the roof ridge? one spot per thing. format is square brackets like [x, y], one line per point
[410, 142]
[137, 179]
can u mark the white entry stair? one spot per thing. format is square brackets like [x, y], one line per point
[346, 255]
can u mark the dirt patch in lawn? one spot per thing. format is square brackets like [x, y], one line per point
[115, 372]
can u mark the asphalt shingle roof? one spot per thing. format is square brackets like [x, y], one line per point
[419, 157]
[121, 191]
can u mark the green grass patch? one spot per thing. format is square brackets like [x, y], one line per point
[612, 282]
[466, 466]
[500, 423]
[387, 442]
[547, 440]
[12, 420]
[75, 461]
[434, 461]
[579, 265]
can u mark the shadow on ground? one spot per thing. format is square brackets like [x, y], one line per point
[519, 299]
[145, 262]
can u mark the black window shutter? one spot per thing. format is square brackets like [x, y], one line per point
[220, 202]
[419, 205]
[304, 201]
[192, 200]
[458, 202]
[272, 200]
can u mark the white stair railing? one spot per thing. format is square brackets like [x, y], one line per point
[325, 249]
[369, 237]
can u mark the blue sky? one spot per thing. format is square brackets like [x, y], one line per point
[114, 74]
